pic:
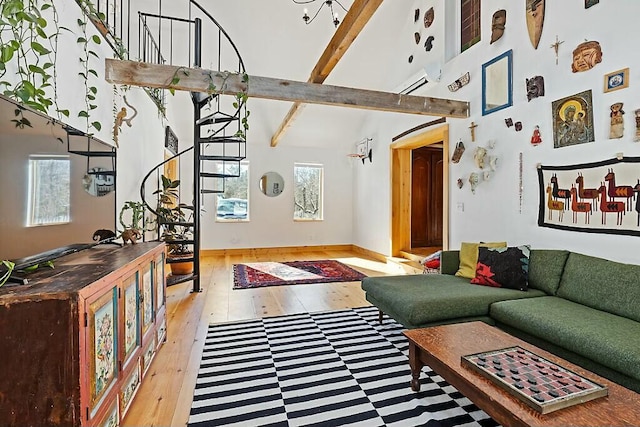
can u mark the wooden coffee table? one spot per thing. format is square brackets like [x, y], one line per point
[441, 348]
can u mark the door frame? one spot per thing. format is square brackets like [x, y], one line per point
[401, 186]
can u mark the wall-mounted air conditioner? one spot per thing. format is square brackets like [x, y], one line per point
[429, 74]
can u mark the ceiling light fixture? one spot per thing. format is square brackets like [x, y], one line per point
[334, 15]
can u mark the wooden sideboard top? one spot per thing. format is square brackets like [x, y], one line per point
[73, 272]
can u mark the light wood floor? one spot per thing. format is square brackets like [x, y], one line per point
[164, 399]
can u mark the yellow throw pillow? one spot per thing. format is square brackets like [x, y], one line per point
[469, 257]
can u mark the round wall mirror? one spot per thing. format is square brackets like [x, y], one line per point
[271, 184]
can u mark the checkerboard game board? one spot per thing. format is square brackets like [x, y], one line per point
[543, 385]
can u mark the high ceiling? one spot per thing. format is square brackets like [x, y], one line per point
[275, 42]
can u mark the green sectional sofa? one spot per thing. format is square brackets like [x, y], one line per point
[582, 308]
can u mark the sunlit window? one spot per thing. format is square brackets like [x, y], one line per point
[49, 190]
[307, 191]
[233, 204]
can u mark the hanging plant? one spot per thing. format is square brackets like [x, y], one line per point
[30, 50]
[87, 72]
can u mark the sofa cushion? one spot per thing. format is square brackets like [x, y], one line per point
[449, 262]
[545, 269]
[426, 298]
[469, 257]
[608, 339]
[599, 283]
[503, 267]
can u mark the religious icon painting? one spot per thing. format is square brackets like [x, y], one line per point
[573, 120]
[589, 3]
[616, 80]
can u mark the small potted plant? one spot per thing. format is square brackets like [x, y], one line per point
[135, 227]
[174, 222]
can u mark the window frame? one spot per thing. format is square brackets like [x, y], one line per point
[33, 190]
[219, 197]
[320, 167]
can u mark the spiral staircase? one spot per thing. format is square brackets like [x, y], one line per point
[219, 122]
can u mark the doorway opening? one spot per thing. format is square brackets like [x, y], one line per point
[403, 153]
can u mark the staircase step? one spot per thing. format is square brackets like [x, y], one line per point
[181, 223]
[101, 172]
[221, 139]
[205, 191]
[174, 280]
[217, 117]
[218, 175]
[94, 153]
[201, 98]
[223, 158]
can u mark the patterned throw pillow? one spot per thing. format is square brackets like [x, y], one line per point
[503, 267]
[469, 257]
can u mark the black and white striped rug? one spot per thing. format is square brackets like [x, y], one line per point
[337, 368]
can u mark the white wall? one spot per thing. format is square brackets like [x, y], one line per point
[271, 221]
[493, 213]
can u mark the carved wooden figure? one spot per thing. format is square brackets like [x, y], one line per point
[617, 121]
[497, 25]
[535, 87]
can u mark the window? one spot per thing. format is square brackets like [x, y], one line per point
[307, 191]
[469, 23]
[49, 190]
[233, 204]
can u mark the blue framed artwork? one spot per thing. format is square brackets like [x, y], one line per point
[497, 83]
[616, 80]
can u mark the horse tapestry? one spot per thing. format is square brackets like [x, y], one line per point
[601, 197]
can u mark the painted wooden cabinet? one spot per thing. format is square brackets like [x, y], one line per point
[77, 341]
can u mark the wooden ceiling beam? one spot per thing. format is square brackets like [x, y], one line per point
[200, 80]
[354, 21]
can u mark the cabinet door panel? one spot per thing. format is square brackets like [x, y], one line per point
[129, 389]
[103, 342]
[131, 318]
[147, 297]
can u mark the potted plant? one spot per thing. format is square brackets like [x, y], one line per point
[175, 227]
[135, 227]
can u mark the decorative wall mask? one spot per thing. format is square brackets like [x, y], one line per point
[637, 138]
[617, 121]
[535, 20]
[589, 3]
[416, 36]
[474, 180]
[508, 121]
[457, 152]
[480, 157]
[410, 59]
[462, 81]
[573, 120]
[497, 24]
[416, 15]
[518, 126]
[460, 183]
[429, 16]
[535, 87]
[586, 56]
[428, 43]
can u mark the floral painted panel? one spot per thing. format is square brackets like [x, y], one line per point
[161, 332]
[147, 298]
[112, 419]
[147, 356]
[159, 282]
[131, 315]
[103, 340]
[129, 389]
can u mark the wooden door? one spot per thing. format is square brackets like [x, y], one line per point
[426, 197]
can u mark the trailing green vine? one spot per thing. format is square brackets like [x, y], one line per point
[87, 71]
[27, 53]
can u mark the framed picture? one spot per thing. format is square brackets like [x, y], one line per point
[573, 120]
[497, 83]
[589, 3]
[616, 80]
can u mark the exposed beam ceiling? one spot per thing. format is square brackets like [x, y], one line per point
[354, 21]
[200, 80]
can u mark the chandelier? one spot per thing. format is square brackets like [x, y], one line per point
[334, 15]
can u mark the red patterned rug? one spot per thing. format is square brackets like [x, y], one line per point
[259, 274]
